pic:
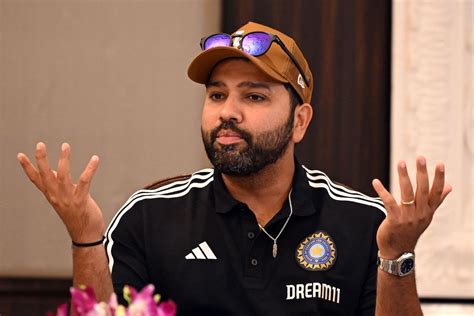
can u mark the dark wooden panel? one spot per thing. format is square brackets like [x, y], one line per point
[32, 296]
[347, 44]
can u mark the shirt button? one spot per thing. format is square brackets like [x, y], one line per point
[254, 262]
[251, 235]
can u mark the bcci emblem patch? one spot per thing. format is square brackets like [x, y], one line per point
[316, 252]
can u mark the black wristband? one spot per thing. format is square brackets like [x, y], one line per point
[87, 244]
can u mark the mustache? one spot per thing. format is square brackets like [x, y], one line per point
[230, 125]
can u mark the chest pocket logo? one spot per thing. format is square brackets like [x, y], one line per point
[317, 252]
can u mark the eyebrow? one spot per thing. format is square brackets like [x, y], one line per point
[245, 84]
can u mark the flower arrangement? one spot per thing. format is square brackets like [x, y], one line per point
[143, 303]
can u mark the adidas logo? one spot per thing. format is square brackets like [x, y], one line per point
[201, 252]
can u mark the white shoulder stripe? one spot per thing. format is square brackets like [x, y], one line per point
[311, 175]
[339, 189]
[155, 194]
[169, 188]
[196, 175]
[349, 199]
[339, 192]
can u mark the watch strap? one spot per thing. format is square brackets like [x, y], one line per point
[400, 266]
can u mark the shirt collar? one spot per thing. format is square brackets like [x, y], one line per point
[301, 195]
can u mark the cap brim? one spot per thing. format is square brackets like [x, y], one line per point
[202, 65]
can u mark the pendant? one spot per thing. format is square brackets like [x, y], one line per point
[274, 250]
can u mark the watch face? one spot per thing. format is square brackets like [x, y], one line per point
[407, 265]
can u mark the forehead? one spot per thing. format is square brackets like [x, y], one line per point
[240, 69]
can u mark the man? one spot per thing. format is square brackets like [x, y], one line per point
[259, 234]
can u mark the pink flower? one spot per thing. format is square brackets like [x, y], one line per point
[83, 300]
[141, 303]
[167, 308]
[84, 303]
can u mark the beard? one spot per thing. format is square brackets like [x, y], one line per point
[258, 152]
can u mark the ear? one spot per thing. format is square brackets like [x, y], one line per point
[303, 115]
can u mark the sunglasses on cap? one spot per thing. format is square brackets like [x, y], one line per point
[254, 43]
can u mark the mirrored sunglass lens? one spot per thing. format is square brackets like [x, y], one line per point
[256, 44]
[217, 40]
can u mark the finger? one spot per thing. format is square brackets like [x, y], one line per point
[30, 170]
[437, 188]
[85, 179]
[44, 168]
[406, 188]
[447, 189]
[422, 182]
[64, 173]
[389, 202]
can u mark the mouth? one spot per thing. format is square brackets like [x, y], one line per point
[228, 137]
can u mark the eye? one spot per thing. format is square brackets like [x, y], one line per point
[256, 97]
[216, 96]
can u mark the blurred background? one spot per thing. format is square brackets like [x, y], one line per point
[393, 79]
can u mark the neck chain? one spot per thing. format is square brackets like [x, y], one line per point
[275, 246]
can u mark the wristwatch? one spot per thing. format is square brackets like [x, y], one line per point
[402, 266]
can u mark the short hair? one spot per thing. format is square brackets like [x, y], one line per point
[295, 99]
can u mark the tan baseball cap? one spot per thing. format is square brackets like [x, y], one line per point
[275, 62]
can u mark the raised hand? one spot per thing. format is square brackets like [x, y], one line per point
[72, 201]
[407, 220]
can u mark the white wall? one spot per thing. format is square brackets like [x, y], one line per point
[110, 78]
[433, 115]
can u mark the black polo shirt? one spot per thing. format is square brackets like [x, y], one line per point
[204, 249]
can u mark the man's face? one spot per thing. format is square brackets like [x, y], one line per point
[246, 119]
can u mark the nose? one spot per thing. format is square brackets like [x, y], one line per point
[231, 110]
